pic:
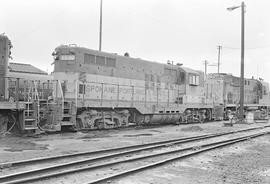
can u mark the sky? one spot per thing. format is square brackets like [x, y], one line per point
[183, 31]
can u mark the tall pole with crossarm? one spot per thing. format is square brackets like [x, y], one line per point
[241, 110]
[219, 48]
[100, 26]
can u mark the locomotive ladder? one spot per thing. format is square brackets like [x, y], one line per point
[31, 111]
[29, 116]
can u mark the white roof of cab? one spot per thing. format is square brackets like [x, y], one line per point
[189, 70]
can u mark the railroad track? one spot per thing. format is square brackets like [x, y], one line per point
[155, 153]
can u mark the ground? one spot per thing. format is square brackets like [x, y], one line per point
[243, 163]
[246, 162]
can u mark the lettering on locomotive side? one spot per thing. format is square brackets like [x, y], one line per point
[98, 88]
[125, 90]
[93, 88]
[110, 89]
[130, 92]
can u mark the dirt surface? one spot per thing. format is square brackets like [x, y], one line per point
[192, 128]
[247, 162]
[243, 163]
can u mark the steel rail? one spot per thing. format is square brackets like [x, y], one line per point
[165, 161]
[58, 166]
[21, 162]
[87, 160]
[127, 160]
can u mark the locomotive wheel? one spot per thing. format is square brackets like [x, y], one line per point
[99, 125]
[181, 120]
[79, 124]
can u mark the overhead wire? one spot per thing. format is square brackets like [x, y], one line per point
[248, 48]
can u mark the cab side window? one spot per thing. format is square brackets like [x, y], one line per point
[194, 80]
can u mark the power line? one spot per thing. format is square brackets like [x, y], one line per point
[261, 47]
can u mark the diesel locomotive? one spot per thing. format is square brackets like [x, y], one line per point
[109, 90]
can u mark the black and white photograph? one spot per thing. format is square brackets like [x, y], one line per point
[134, 92]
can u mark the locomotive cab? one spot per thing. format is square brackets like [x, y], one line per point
[64, 59]
[192, 81]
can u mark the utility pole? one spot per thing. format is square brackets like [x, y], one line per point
[205, 68]
[219, 48]
[100, 26]
[241, 110]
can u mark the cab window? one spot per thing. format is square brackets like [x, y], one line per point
[67, 57]
[194, 80]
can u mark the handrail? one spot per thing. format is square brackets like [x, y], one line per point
[62, 94]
